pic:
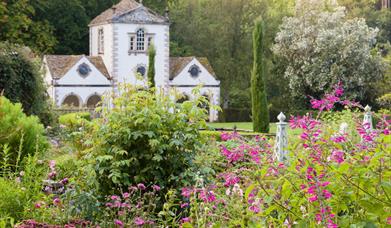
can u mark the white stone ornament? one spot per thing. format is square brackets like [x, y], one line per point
[368, 118]
[280, 148]
[343, 128]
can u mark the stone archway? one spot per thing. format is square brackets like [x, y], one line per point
[93, 101]
[71, 101]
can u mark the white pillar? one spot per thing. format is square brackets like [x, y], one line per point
[280, 148]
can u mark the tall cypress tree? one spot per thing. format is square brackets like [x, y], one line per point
[151, 65]
[260, 112]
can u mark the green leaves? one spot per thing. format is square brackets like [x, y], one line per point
[147, 142]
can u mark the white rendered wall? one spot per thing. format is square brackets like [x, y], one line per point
[107, 55]
[125, 64]
[82, 92]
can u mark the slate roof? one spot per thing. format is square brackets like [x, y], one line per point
[59, 65]
[129, 11]
[177, 64]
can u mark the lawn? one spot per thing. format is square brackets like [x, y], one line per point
[248, 126]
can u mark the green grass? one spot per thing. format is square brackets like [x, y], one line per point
[249, 127]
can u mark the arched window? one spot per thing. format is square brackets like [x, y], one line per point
[140, 40]
[71, 101]
[93, 101]
[183, 98]
[101, 41]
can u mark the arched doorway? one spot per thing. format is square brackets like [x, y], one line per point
[93, 101]
[71, 101]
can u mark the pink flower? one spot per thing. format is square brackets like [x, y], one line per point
[156, 188]
[337, 156]
[207, 196]
[254, 208]
[141, 186]
[389, 220]
[139, 221]
[183, 205]
[231, 179]
[64, 181]
[115, 197]
[118, 222]
[37, 205]
[56, 201]
[313, 199]
[327, 194]
[186, 192]
[52, 164]
[186, 219]
[125, 195]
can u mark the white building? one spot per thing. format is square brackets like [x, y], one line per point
[119, 42]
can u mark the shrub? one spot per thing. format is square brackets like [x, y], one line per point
[19, 135]
[146, 138]
[21, 81]
[12, 199]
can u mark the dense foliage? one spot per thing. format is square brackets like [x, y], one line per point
[151, 66]
[20, 135]
[146, 138]
[21, 80]
[322, 47]
[260, 111]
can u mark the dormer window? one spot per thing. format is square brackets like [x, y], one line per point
[101, 41]
[140, 41]
[84, 70]
[194, 71]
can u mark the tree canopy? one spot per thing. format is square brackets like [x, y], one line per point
[323, 47]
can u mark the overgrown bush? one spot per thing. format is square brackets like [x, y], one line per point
[20, 135]
[147, 138]
[21, 81]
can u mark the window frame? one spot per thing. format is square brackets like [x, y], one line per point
[101, 41]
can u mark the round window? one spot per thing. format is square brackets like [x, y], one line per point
[194, 71]
[84, 70]
[141, 70]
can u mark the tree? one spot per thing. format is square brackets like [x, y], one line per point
[260, 112]
[322, 47]
[21, 80]
[151, 65]
[17, 25]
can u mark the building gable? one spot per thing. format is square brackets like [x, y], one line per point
[85, 72]
[192, 71]
[140, 15]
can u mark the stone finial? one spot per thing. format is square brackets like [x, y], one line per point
[343, 128]
[141, 2]
[281, 117]
[367, 108]
[167, 13]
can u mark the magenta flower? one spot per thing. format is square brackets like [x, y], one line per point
[313, 199]
[37, 205]
[64, 181]
[207, 196]
[183, 205]
[231, 179]
[186, 192]
[141, 186]
[56, 201]
[255, 208]
[118, 222]
[337, 156]
[139, 221]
